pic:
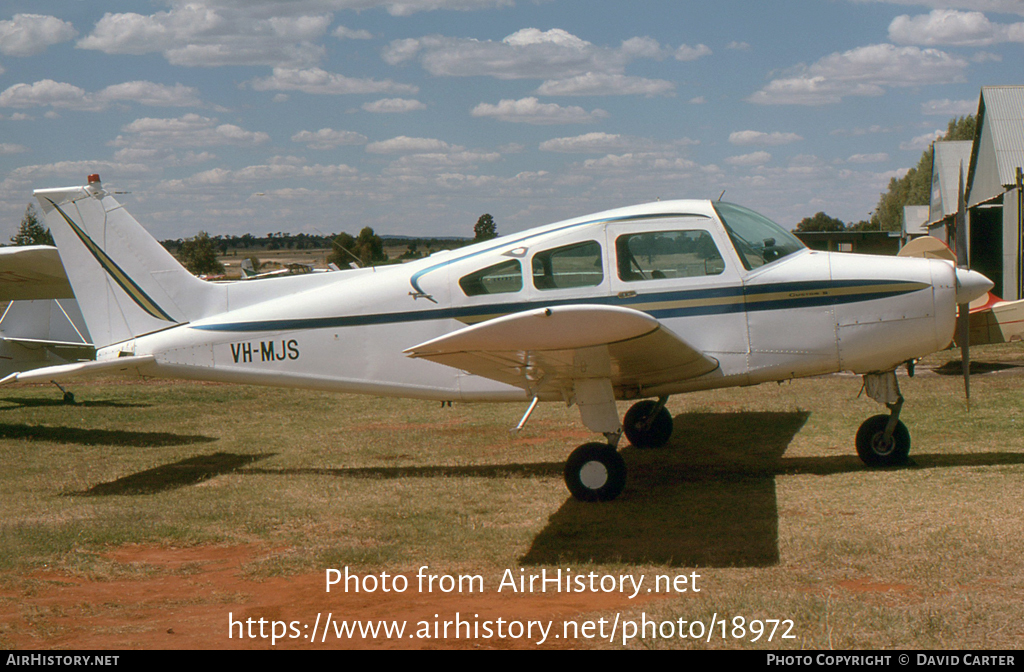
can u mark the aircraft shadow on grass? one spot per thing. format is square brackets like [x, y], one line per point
[101, 437]
[956, 368]
[708, 499]
[190, 471]
[34, 402]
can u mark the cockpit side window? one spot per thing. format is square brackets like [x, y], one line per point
[576, 265]
[502, 278]
[658, 255]
[757, 239]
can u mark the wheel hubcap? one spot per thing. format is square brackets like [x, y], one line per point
[594, 475]
[880, 446]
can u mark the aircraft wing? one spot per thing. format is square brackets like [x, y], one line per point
[999, 322]
[32, 272]
[543, 351]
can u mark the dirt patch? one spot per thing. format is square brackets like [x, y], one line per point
[181, 598]
[865, 586]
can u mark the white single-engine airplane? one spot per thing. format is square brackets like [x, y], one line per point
[636, 303]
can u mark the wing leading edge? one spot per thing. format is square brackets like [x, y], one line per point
[545, 351]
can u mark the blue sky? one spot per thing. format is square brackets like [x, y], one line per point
[417, 116]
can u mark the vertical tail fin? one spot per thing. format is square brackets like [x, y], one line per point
[126, 283]
[248, 272]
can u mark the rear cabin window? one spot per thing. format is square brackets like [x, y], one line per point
[577, 265]
[502, 278]
[657, 255]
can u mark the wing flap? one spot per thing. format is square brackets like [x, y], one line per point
[545, 350]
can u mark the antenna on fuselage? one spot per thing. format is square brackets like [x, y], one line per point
[720, 195]
[334, 243]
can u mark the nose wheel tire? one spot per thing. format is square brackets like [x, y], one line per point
[595, 472]
[645, 430]
[877, 451]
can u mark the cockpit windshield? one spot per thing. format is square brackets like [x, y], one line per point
[757, 239]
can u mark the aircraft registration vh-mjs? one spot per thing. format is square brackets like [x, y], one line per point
[637, 303]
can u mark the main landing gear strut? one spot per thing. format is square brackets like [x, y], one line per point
[596, 472]
[883, 440]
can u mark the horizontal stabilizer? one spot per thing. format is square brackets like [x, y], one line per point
[131, 366]
[544, 351]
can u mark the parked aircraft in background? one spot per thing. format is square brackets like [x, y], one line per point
[636, 303]
[40, 325]
[991, 319]
[294, 268]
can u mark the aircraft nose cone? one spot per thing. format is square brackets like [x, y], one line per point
[970, 285]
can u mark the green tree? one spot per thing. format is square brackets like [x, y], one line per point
[199, 255]
[31, 231]
[368, 248]
[820, 222]
[915, 187]
[485, 228]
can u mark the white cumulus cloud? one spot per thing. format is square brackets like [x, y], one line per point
[31, 34]
[922, 142]
[393, 106]
[526, 54]
[203, 34]
[62, 95]
[752, 159]
[951, 27]
[606, 84]
[688, 53]
[328, 138]
[343, 33]
[532, 111]
[319, 81]
[949, 108]
[190, 130]
[878, 157]
[864, 71]
[588, 142]
[761, 138]
[405, 145]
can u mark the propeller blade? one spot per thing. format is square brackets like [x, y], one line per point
[963, 330]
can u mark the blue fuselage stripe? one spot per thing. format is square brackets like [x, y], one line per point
[714, 301]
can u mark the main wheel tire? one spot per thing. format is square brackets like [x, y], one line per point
[873, 448]
[595, 472]
[644, 431]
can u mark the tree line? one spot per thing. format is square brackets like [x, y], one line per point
[199, 254]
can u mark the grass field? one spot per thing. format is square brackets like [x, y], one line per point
[144, 514]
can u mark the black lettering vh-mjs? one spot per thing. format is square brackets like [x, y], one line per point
[270, 351]
[241, 352]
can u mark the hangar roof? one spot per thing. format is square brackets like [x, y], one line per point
[999, 143]
[946, 160]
